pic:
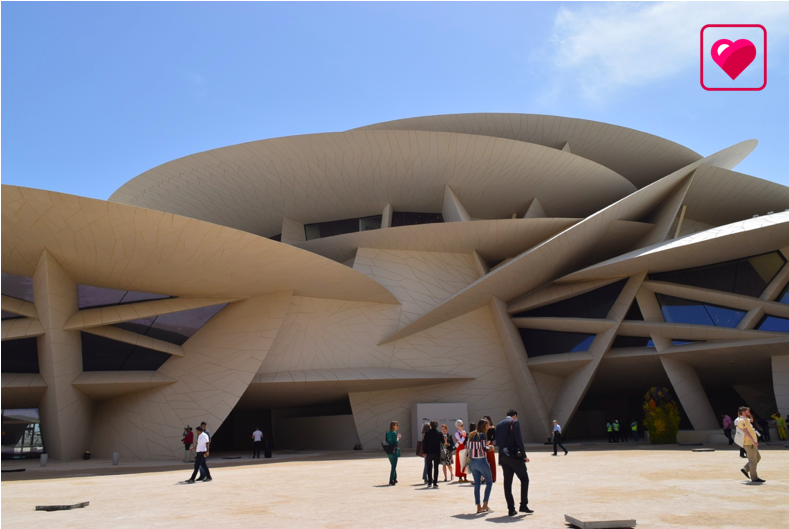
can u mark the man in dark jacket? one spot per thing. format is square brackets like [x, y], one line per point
[432, 448]
[512, 458]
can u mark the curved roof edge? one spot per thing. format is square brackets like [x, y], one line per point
[639, 156]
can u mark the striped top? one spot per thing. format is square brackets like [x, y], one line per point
[476, 446]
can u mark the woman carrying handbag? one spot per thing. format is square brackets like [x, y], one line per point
[460, 445]
[446, 452]
[393, 450]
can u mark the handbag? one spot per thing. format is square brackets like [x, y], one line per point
[463, 458]
[389, 449]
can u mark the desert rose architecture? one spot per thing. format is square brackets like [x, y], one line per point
[320, 286]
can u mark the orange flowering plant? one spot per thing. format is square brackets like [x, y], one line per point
[661, 416]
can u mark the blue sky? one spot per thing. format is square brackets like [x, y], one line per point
[94, 94]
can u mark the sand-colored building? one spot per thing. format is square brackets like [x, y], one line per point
[320, 286]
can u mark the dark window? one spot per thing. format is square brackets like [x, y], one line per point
[20, 356]
[679, 310]
[401, 218]
[594, 304]
[635, 312]
[632, 341]
[748, 277]
[277, 238]
[94, 297]
[784, 297]
[10, 315]
[22, 433]
[540, 343]
[19, 287]
[104, 354]
[685, 342]
[773, 323]
[173, 328]
[320, 230]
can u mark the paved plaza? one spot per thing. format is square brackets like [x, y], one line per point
[660, 488]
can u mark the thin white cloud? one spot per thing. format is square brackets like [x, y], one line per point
[600, 49]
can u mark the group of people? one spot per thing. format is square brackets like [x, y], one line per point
[617, 432]
[201, 451]
[476, 448]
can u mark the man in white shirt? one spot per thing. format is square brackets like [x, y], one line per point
[201, 447]
[257, 440]
[557, 437]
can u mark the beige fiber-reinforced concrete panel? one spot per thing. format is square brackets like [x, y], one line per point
[640, 157]
[112, 245]
[595, 238]
[22, 390]
[724, 243]
[325, 177]
[419, 280]
[220, 360]
[493, 239]
[64, 409]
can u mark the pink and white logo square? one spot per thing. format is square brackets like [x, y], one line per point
[733, 57]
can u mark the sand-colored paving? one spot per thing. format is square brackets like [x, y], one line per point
[660, 488]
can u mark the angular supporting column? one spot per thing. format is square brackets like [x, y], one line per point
[535, 210]
[650, 309]
[577, 383]
[690, 393]
[664, 215]
[65, 410]
[566, 148]
[776, 285]
[781, 383]
[386, 216]
[535, 413]
[453, 210]
[480, 264]
[292, 231]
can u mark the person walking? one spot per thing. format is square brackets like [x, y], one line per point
[634, 429]
[432, 446]
[490, 435]
[420, 451]
[513, 459]
[478, 450]
[189, 438]
[727, 424]
[204, 467]
[257, 441]
[751, 445]
[460, 444]
[616, 430]
[557, 437]
[447, 447]
[202, 453]
[393, 439]
[610, 429]
[780, 426]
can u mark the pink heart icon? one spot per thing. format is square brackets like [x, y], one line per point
[733, 57]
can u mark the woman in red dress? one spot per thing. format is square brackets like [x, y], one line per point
[460, 444]
[491, 438]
